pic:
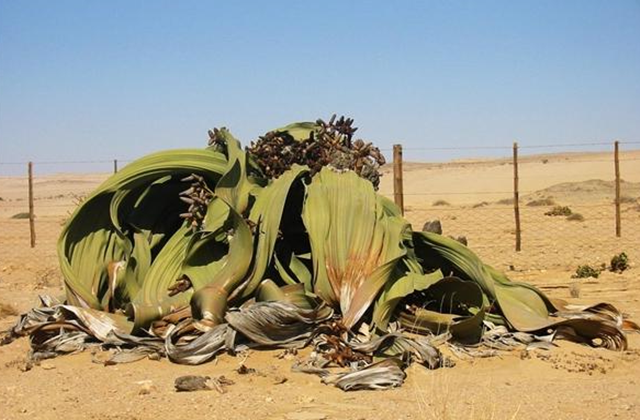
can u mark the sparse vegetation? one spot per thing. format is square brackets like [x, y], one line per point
[441, 203]
[586, 271]
[575, 217]
[545, 161]
[480, 204]
[619, 263]
[21, 215]
[547, 201]
[559, 211]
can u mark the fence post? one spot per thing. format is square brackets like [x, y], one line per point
[516, 197]
[32, 216]
[115, 166]
[398, 194]
[616, 159]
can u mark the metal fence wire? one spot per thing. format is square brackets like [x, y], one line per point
[567, 205]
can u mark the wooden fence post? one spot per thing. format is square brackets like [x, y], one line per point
[115, 166]
[516, 197]
[32, 216]
[616, 160]
[398, 194]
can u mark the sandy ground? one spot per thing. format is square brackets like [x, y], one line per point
[570, 382]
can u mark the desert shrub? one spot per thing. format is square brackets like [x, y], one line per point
[575, 217]
[480, 204]
[619, 262]
[21, 215]
[545, 161]
[441, 203]
[1, 199]
[542, 202]
[505, 201]
[559, 211]
[586, 271]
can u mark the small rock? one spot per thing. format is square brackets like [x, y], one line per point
[145, 387]
[268, 399]
[463, 240]
[288, 354]
[433, 226]
[277, 380]
[26, 367]
[190, 383]
[244, 370]
[47, 366]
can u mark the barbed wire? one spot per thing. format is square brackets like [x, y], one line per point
[384, 149]
[510, 147]
[67, 162]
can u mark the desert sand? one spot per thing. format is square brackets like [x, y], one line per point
[568, 382]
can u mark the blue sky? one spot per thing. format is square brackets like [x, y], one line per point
[90, 80]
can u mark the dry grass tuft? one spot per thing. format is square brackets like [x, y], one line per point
[439, 398]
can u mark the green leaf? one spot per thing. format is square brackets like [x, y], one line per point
[266, 214]
[396, 290]
[298, 131]
[454, 305]
[355, 245]
[94, 237]
[235, 186]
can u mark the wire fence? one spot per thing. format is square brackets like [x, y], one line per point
[567, 204]
[471, 197]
